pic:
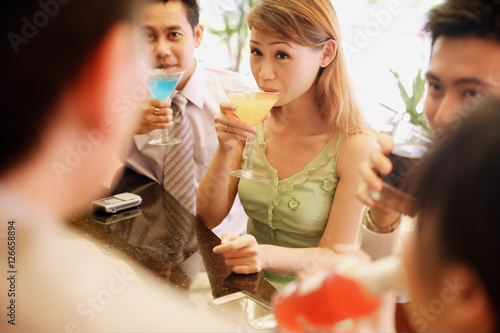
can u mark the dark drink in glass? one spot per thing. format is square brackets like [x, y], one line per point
[411, 143]
[405, 159]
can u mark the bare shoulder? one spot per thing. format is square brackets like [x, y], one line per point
[360, 142]
[355, 149]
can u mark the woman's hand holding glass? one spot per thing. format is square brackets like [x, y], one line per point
[230, 128]
[156, 114]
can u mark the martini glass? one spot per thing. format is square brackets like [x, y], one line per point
[253, 106]
[161, 85]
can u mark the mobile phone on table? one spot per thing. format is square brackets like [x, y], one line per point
[117, 202]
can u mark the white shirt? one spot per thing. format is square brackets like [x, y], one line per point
[61, 282]
[204, 92]
[379, 245]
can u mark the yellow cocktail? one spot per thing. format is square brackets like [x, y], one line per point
[253, 106]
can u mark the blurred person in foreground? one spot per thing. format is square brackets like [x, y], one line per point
[58, 84]
[450, 259]
[171, 32]
[450, 263]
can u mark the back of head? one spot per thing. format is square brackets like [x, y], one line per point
[45, 47]
[312, 24]
[465, 18]
[459, 192]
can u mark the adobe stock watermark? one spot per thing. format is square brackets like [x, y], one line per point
[372, 29]
[89, 308]
[215, 188]
[421, 318]
[31, 27]
[122, 107]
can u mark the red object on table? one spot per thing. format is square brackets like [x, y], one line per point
[328, 297]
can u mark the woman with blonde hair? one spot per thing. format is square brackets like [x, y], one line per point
[309, 147]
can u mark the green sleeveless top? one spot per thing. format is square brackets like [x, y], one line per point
[291, 212]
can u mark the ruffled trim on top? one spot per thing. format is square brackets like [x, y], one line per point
[326, 154]
[274, 198]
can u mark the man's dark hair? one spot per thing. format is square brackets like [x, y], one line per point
[465, 18]
[192, 10]
[45, 45]
[458, 188]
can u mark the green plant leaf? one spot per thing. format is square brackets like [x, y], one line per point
[411, 103]
[418, 89]
[388, 107]
[402, 89]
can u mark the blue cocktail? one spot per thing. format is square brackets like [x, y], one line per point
[161, 85]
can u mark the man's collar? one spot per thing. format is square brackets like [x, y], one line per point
[194, 90]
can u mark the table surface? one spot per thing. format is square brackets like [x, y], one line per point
[174, 246]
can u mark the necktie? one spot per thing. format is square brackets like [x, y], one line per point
[178, 176]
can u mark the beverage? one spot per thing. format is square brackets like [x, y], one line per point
[253, 109]
[253, 106]
[350, 290]
[404, 159]
[161, 87]
[411, 143]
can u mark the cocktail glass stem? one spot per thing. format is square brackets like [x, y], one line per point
[248, 155]
[161, 85]
[165, 135]
[253, 105]
[164, 139]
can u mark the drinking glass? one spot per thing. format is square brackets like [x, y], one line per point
[161, 85]
[253, 106]
[411, 144]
